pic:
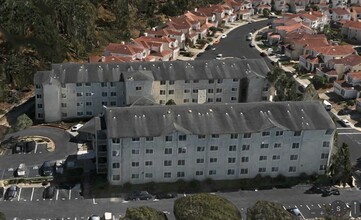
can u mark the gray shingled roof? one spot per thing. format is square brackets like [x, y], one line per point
[169, 70]
[143, 121]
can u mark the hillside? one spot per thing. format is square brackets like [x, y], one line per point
[36, 33]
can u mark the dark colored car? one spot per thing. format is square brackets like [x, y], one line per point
[284, 58]
[344, 111]
[169, 195]
[46, 169]
[330, 192]
[49, 192]
[263, 54]
[11, 192]
[2, 190]
[139, 195]
[315, 190]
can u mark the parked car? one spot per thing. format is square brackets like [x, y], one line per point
[49, 192]
[294, 211]
[21, 170]
[216, 42]
[283, 59]
[168, 195]
[139, 195]
[219, 56]
[224, 36]
[330, 192]
[2, 190]
[263, 54]
[94, 217]
[59, 167]
[76, 127]
[251, 44]
[344, 111]
[11, 192]
[315, 190]
[345, 123]
[46, 169]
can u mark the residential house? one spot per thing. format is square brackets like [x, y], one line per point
[135, 52]
[297, 27]
[296, 6]
[358, 104]
[355, 2]
[178, 35]
[217, 10]
[350, 87]
[338, 3]
[161, 48]
[109, 59]
[338, 14]
[75, 91]
[141, 144]
[318, 56]
[335, 69]
[355, 13]
[186, 26]
[352, 31]
[261, 8]
[281, 5]
[315, 20]
[286, 20]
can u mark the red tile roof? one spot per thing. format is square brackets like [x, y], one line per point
[354, 75]
[356, 9]
[350, 60]
[352, 24]
[340, 11]
[120, 48]
[335, 50]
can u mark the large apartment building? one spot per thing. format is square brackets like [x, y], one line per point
[140, 144]
[73, 90]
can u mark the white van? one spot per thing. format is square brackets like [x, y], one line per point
[249, 36]
[327, 105]
[76, 127]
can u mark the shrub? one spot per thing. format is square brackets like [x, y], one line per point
[143, 212]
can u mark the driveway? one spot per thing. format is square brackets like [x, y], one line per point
[63, 147]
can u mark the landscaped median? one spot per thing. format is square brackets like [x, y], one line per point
[26, 180]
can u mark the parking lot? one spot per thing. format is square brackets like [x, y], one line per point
[39, 149]
[8, 173]
[35, 194]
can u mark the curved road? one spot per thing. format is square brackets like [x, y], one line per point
[235, 44]
[61, 138]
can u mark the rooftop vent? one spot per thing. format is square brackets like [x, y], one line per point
[210, 110]
[199, 113]
[143, 116]
[178, 115]
[168, 111]
[190, 111]
[114, 117]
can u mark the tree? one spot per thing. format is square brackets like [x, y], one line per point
[143, 212]
[265, 210]
[319, 81]
[22, 122]
[2, 216]
[340, 168]
[205, 207]
[266, 13]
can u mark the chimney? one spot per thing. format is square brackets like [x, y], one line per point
[122, 42]
[102, 59]
[153, 28]
[145, 34]
[195, 9]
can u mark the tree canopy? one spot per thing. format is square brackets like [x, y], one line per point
[205, 207]
[265, 210]
[22, 122]
[341, 168]
[143, 212]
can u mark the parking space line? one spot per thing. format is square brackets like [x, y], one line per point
[300, 212]
[57, 194]
[319, 205]
[32, 194]
[19, 194]
[69, 194]
[2, 176]
[284, 207]
[36, 148]
[308, 207]
[94, 201]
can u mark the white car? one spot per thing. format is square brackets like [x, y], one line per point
[76, 127]
[219, 56]
[21, 170]
[224, 36]
[59, 167]
[345, 123]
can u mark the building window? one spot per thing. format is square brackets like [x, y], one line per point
[168, 151]
[182, 137]
[149, 139]
[149, 151]
[40, 105]
[115, 153]
[185, 100]
[231, 160]
[244, 171]
[63, 105]
[232, 148]
[63, 95]
[195, 90]
[329, 131]
[162, 92]
[244, 159]
[88, 103]
[187, 91]
[116, 165]
[79, 84]
[262, 157]
[210, 90]
[115, 140]
[38, 86]
[231, 172]
[38, 96]
[116, 177]
[292, 169]
[235, 80]
[213, 160]
[295, 145]
[279, 133]
[219, 90]
[293, 157]
[135, 164]
[199, 173]
[181, 162]
[210, 100]
[214, 148]
[162, 102]
[215, 135]
[247, 135]
[187, 81]
[89, 113]
[245, 147]
[167, 175]
[234, 136]
[112, 84]
[104, 94]
[200, 149]
[233, 98]
[276, 157]
[264, 146]
[171, 92]
[277, 145]
[167, 163]
[297, 133]
[195, 81]
[324, 156]
[201, 136]
[135, 151]
[80, 113]
[103, 84]
[168, 138]
[135, 139]
[104, 103]
[262, 169]
[265, 133]
[182, 150]
[220, 81]
[180, 174]
[171, 82]
[200, 160]
[326, 144]
[138, 88]
[79, 94]
[274, 169]
[148, 175]
[212, 172]
[148, 163]
[323, 167]
[234, 89]
[211, 81]
[162, 82]
[88, 94]
[194, 100]
[113, 103]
